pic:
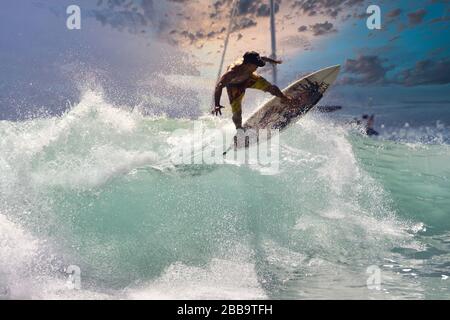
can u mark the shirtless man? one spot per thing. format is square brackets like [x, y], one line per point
[370, 131]
[240, 77]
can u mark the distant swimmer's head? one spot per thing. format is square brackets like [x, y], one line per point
[254, 58]
[365, 116]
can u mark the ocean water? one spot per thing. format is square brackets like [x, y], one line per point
[92, 189]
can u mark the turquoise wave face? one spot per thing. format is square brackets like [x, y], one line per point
[415, 175]
[92, 188]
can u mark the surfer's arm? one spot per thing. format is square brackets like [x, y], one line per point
[270, 60]
[218, 93]
[223, 82]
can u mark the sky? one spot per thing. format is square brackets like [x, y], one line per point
[165, 54]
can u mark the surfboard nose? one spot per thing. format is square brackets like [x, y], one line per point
[328, 74]
[335, 68]
[335, 72]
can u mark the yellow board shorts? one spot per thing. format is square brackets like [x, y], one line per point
[236, 93]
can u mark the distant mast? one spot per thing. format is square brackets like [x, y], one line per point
[273, 39]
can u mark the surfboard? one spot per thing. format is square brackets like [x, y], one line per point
[277, 115]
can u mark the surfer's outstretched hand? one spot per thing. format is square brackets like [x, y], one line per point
[272, 61]
[217, 110]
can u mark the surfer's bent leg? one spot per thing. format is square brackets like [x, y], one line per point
[236, 94]
[262, 84]
[236, 108]
[259, 83]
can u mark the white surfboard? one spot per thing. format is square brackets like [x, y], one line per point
[276, 115]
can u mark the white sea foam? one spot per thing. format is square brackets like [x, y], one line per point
[323, 212]
[220, 279]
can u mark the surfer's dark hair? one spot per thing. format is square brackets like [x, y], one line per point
[253, 57]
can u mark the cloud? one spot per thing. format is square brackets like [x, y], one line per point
[440, 19]
[244, 23]
[330, 8]
[416, 17]
[135, 17]
[256, 7]
[320, 29]
[365, 70]
[298, 41]
[394, 13]
[372, 70]
[186, 22]
[426, 72]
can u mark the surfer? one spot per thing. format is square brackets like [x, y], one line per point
[370, 131]
[241, 76]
